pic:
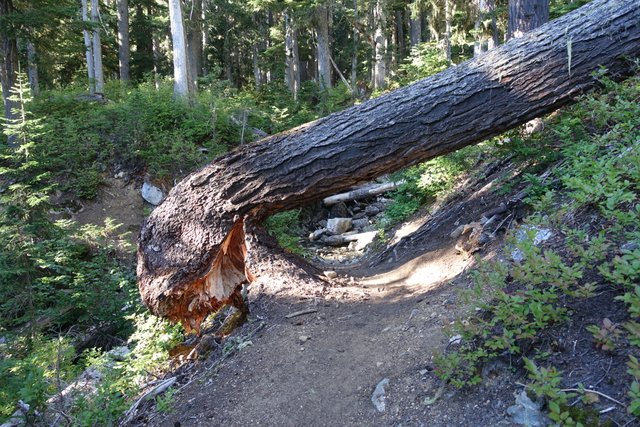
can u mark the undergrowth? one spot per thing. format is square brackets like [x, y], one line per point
[596, 147]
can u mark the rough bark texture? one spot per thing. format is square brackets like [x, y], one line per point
[181, 84]
[32, 69]
[123, 39]
[88, 48]
[292, 58]
[380, 46]
[8, 65]
[194, 249]
[97, 48]
[525, 15]
[322, 49]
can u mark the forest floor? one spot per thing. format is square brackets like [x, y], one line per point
[377, 323]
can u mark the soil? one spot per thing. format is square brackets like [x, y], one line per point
[381, 318]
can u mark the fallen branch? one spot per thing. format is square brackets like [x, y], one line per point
[578, 390]
[159, 389]
[301, 313]
[362, 192]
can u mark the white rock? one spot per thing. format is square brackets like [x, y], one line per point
[339, 225]
[152, 194]
[378, 397]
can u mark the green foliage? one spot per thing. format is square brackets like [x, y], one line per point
[284, 226]
[519, 301]
[424, 182]
[424, 60]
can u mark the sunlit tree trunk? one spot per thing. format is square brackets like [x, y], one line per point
[525, 15]
[380, 49]
[292, 58]
[194, 40]
[97, 48]
[181, 85]
[88, 48]
[415, 23]
[205, 38]
[323, 52]
[123, 39]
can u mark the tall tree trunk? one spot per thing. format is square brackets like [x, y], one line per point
[181, 84]
[448, 12]
[525, 15]
[97, 47]
[88, 48]
[255, 59]
[8, 66]
[205, 38]
[415, 23]
[292, 58]
[199, 245]
[32, 69]
[123, 39]
[400, 33]
[380, 50]
[194, 40]
[493, 38]
[155, 51]
[485, 38]
[323, 53]
[354, 53]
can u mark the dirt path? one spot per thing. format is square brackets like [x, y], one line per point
[370, 324]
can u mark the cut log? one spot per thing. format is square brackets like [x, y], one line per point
[362, 192]
[195, 249]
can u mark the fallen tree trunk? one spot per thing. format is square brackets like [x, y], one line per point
[362, 192]
[193, 252]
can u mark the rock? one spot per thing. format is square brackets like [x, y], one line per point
[339, 225]
[630, 246]
[541, 235]
[119, 354]
[526, 412]
[339, 210]
[333, 240]
[322, 223]
[330, 274]
[378, 396]
[152, 194]
[119, 175]
[359, 215]
[317, 234]
[360, 223]
[304, 338]
[456, 339]
[372, 210]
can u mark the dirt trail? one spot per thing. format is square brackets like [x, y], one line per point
[377, 321]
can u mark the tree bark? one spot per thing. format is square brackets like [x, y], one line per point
[322, 45]
[32, 69]
[123, 40]
[525, 15]
[292, 58]
[88, 48]
[380, 48]
[181, 84]
[447, 32]
[194, 40]
[415, 24]
[354, 53]
[97, 48]
[8, 66]
[199, 245]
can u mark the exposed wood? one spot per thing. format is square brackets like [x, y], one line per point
[198, 246]
[362, 192]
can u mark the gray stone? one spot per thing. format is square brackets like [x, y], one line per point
[152, 194]
[526, 412]
[119, 354]
[316, 234]
[339, 210]
[379, 395]
[630, 246]
[339, 225]
[330, 274]
[359, 215]
[539, 235]
[360, 223]
[372, 210]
